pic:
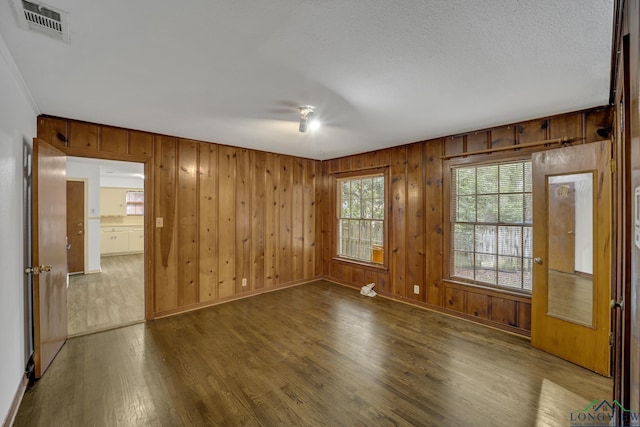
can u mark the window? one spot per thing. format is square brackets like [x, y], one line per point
[135, 202]
[491, 224]
[361, 216]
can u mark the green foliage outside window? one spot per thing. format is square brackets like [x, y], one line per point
[361, 218]
[491, 224]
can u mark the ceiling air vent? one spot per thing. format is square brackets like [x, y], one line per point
[42, 18]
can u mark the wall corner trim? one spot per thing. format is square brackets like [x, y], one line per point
[17, 76]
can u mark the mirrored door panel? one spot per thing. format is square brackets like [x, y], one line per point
[570, 258]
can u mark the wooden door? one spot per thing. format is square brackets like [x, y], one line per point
[75, 226]
[561, 230]
[49, 253]
[575, 326]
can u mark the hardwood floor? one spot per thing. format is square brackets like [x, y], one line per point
[109, 299]
[315, 354]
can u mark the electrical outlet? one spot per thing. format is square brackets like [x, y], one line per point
[244, 281]
[416, 289]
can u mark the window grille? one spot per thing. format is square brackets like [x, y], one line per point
[361, 216]
[492, 224]
[135, 202]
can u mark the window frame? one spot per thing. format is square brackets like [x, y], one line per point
[473, 161]
[135, 204]
[361, 173]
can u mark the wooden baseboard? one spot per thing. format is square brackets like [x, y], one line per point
[17, 399]
[248, 294]
[442, 310]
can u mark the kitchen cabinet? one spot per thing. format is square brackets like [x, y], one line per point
[125, 239]
[114, 240]
[136, 239]
[113, 201]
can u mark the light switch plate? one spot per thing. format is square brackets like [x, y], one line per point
[159, 222]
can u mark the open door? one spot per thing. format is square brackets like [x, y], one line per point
[75, 226]
[571, 297]
[562, 208]
[49, 254]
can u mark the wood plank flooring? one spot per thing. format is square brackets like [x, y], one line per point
[315, 354]
[109, 299]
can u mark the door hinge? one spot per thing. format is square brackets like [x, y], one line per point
[613, 166]
[617, 304]
[611, 339]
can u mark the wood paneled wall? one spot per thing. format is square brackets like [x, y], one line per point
[415, 214]
[230, 214]
[227, 213]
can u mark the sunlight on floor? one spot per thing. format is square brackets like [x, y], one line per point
[556, 404]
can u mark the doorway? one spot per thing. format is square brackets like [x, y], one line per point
[109, 291]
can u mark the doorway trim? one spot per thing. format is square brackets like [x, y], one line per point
[147, 161]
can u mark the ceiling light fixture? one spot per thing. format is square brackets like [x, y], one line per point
[306, 115]
[314, 124]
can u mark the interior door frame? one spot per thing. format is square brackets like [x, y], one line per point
[624, 95]
[548, 332]
[149, 222]
[27, 154]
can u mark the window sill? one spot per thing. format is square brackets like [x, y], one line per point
[524, 296]
[369, 265]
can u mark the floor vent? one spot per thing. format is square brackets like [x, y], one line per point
[42, 18]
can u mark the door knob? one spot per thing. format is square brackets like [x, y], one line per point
[80, 231]
[79, 224]
[537, 260]
[37, 270]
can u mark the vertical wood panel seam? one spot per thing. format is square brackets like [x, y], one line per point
[197, 225]
[176, 220]
[423, 177]
[216, 189]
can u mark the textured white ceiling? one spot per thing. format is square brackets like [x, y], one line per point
[381, 73]
[110, 168]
